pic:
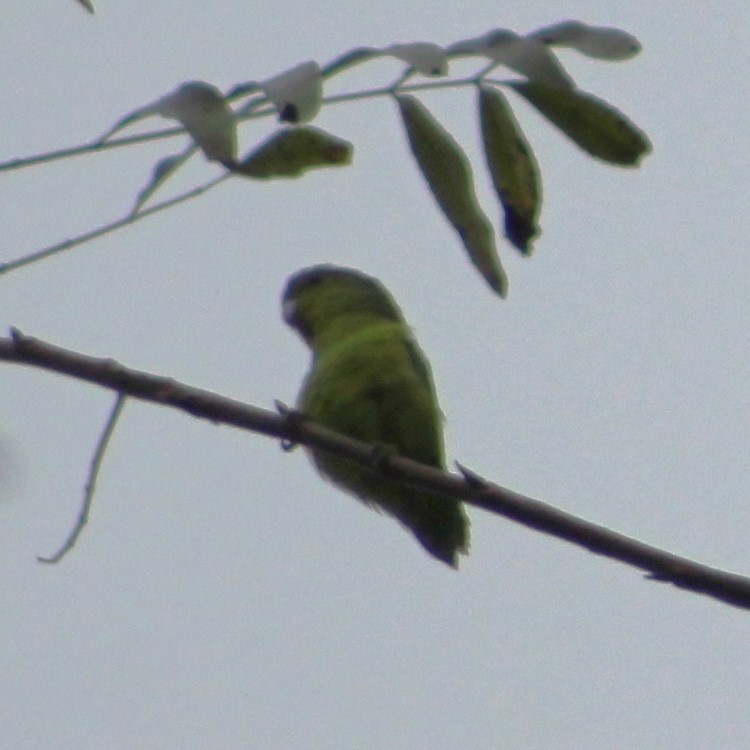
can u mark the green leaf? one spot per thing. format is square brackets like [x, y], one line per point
[297, 92]
[349, 59]
[293, 151]
[513, 168]
[202, 110]
[448, 174]
[205, 114]
[595, 125]
[524, 54]
[425, 57]
[599, 42]
[163, 170]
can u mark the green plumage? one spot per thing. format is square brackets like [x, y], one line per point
[369, 380]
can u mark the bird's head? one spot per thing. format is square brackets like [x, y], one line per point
[319, 297]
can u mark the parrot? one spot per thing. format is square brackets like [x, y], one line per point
[369, 380]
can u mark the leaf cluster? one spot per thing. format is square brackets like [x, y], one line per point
[212, 121]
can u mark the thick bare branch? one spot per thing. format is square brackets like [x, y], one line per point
[660, 565]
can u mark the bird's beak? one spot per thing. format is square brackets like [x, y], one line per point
[289, 311]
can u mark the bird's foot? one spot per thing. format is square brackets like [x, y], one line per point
[293, 418]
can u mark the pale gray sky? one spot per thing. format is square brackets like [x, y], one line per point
[226, 597]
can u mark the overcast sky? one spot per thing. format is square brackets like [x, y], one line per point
[224, 596]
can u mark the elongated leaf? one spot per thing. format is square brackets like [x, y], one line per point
[205, 114]
[427, 58]
[513, 168]
[293, 151]
[448, 174]
[600, 42]
[526, 55]
[164, 169]
[296, 93]
[201, 109]
[243, 89]
[349, 59]
[595, 125]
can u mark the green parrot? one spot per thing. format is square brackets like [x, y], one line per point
[370, 381]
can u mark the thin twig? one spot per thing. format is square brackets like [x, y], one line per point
[133, 217]
[130, 218]
[88, 494]
[171, 132]
[660, 565]
[89, 148]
